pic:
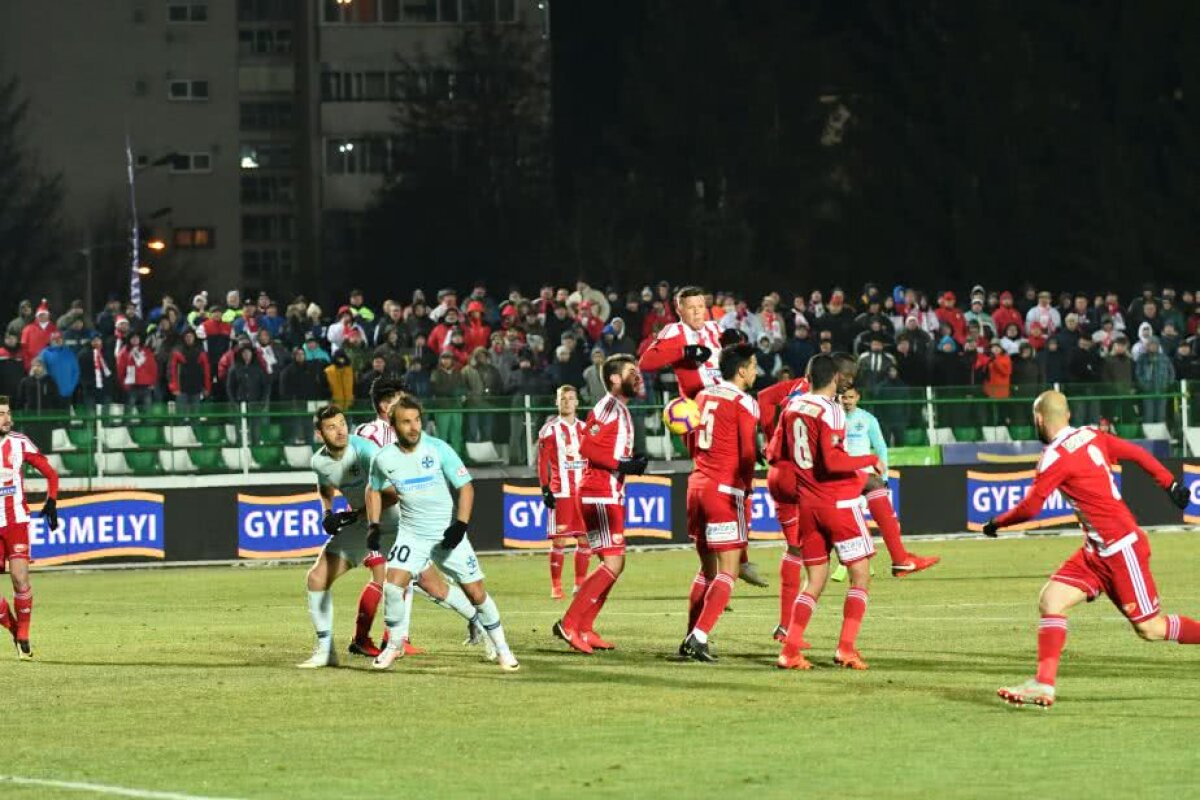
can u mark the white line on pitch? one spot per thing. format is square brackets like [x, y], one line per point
[101, 788]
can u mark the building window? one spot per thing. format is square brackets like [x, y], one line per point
[263, 155]
[362, 155]
[416, 12]
[268, 227]
[267, 263]
[353, 87]
[266, 189]
[264, 42]
[266, 10]
[187, 12]
[266, 116]
[187, 90]
[191, 162]
[193, 238]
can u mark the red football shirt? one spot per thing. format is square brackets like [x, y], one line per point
[811, 434]
[724, 446]
[560, 466]
[667, 351]
[607, 440]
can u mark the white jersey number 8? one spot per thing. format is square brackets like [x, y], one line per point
[802, 450]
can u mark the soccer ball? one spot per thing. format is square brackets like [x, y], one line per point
[681, 416]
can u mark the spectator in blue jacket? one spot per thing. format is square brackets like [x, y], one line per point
[62, 365]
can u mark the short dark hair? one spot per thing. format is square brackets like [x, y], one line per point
[406, 402]
[845, 363]
[326, 412]
[4, 401]
[734, 358]
[822, 370]
[686, 292]
[384, 389]
[614, 364]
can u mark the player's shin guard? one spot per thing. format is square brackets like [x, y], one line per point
[789, 586]
[696, 600]
[1052, 636]
[880, 505]
[23, 602]
[395, 612]
[802, 611]
[320, 608]
[589, 600]
[583, 557]
[368, 605]
[1184, 630]
[853, 611]
[715, 599]
[556, 567]
[489, 618]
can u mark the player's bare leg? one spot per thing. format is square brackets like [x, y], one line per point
[319, 580]
[577, 627]
[854, 609]
[791, 656]
[720, 569]
[22, 606]
[558, 554]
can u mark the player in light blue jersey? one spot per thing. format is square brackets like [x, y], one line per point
[430, 529]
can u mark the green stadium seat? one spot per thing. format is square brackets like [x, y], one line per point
[268, 456]
[147, 436]
[915, 437]
[271, 434]
[207, 458]
[1021, 433]
[83, 438]
[969, 433]
[160, 410]
[78, 464]
[210, 435]
[143, 462]
[1129, 430]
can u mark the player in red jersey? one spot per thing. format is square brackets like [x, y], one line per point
[781, 484]
[384, 394]
[692, 348]
[826, 486]
[725, 449]
[17, 450]
[608, 447]
[560, 470]
[1115, 557]
[772, 398]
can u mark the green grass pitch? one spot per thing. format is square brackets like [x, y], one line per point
[183, 680]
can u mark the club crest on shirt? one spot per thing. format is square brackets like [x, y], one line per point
[594, 430]
[427, 462]
[836, 440]
[1130, 609]
[19, 548]
[354, 470]
[618, 538]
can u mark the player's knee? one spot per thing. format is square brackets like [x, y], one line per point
[874, 483]
[475, 592]
[1151, 630]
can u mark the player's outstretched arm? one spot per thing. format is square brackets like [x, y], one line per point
[1122, 450]
[834, 457]
[1043, 485]
[662, 353]
[769, 400]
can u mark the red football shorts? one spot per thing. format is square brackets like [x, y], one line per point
[781, 484]
[14, 542]
[565, 519]
[605, 524]
[717, 520]
[842, 527]
[1121, 571]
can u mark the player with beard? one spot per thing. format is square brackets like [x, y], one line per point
[608, 447]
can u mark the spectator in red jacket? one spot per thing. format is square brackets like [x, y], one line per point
[592, 324]
[996, 367]
[35, 337]
[440, 336]
[1006, 314]
[137, 372]
[948, 313]
[656, 320]
[475, 333]
[190, 378]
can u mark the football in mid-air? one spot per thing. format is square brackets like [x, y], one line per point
[681, 416]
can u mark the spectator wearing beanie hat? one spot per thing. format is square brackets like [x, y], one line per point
[948, 313]
[1005, 314]
[36, 336]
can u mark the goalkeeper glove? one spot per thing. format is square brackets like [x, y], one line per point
[548, 498]
[1179, 495]
[373, 534]
[632, 466]
[989, 528]
[696, 353]
[334, 521]
[454, 534]
[50, 513]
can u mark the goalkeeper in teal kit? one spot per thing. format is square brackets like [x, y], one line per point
[429, 528]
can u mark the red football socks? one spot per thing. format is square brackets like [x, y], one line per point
[583, 557]
[556, 567]
[853, 611]
[368, 604]
[696, 599]
[789, 586]
[889, 527]
[1052, 636]
[1184, 630]
[715, 599]
[802, 611]
[23, 602]
[589, 600]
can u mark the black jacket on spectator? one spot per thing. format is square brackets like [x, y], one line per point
[841, 325]
[12, 370]
[1054, 365]
[362, 385]
[1118, 370]
[191, 371]
[1027, 374]
[247, 383]
[298, 382]
[950, 369]
[913, 368]
[38, 394]
[1084, 366]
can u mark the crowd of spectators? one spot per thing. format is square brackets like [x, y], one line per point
[479, 349]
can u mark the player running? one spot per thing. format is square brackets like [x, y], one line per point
[414, 475]
[864, 436]
[1115, 557]
[724, 448]
[608, 447]
[17, 450]
[827, 488]
[692, 348]
[560, 469]
[384, 394]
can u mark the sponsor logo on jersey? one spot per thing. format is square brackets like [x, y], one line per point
[5, 491]
[7, 475]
